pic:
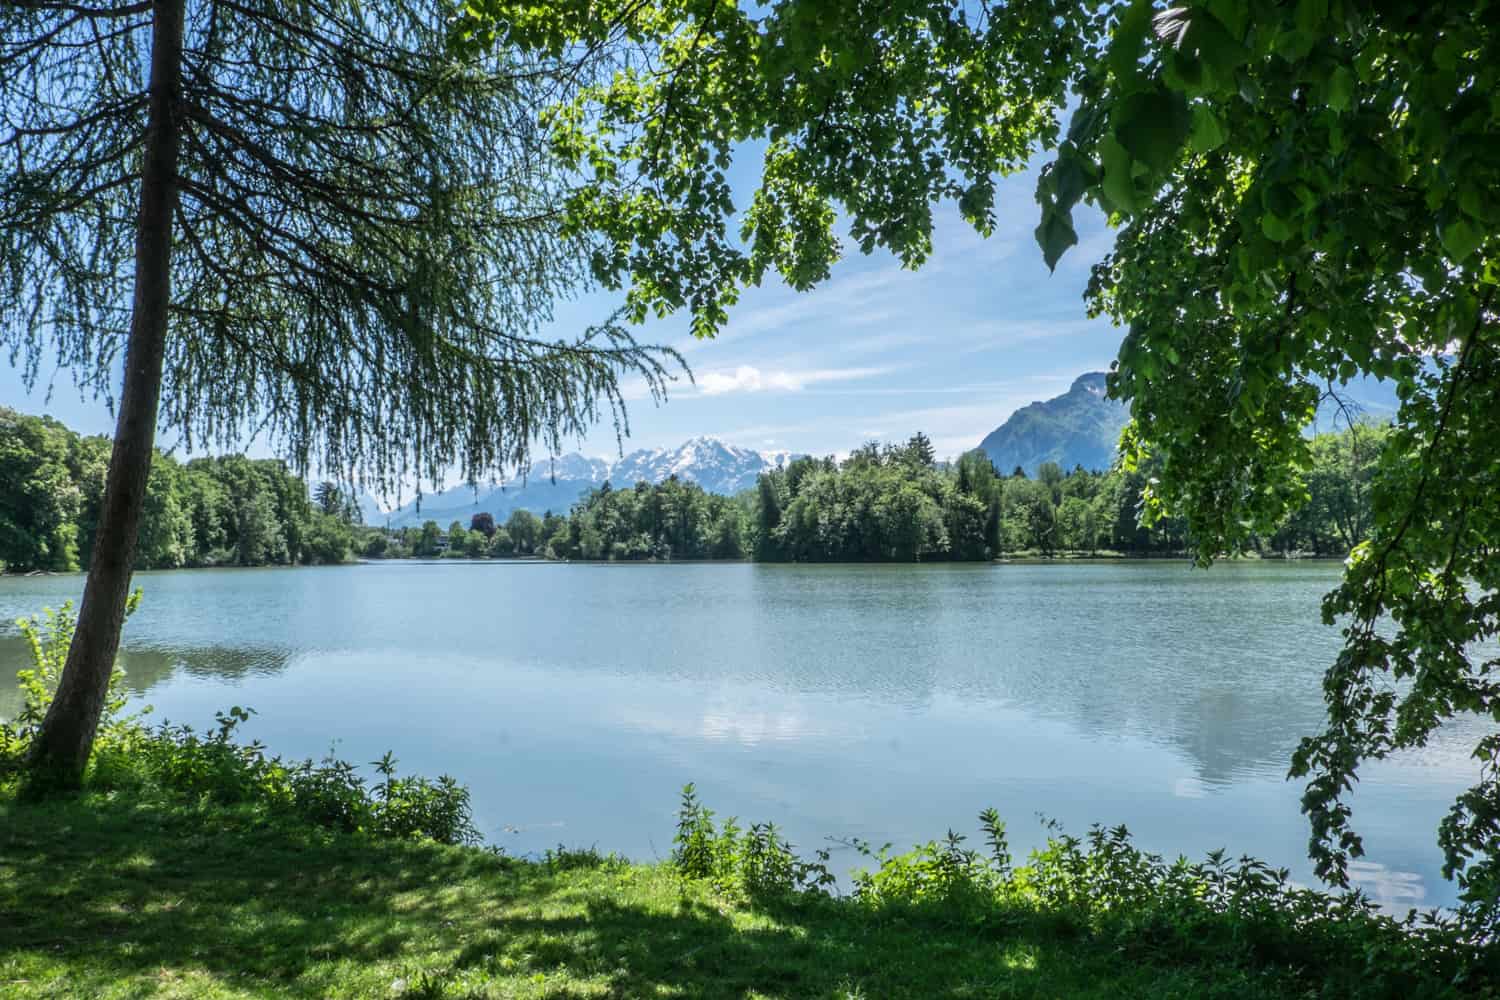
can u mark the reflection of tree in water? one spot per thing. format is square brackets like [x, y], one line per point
[1228, 733]
[1226, 670]
[148, 667]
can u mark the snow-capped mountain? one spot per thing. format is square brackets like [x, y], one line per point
[717, 466]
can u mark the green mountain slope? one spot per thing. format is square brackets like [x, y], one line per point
[1080, 427]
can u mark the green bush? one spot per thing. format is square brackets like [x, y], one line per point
[47, 637]
[756, 863]
[1235, 914]
[214, 768]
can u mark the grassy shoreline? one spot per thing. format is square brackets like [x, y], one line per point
[115, 894]
[99, 897]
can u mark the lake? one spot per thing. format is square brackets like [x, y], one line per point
[888, 703]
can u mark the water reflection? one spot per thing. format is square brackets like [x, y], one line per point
[886, 702]
[145, 667]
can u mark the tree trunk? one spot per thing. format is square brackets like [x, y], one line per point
[62, 746]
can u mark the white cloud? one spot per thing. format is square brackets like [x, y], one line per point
[748, 378]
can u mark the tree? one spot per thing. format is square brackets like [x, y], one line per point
[727, 539]
[1077, 525]
[39, 499]
[1306, 193]
[501, 544]
[524, 530]
[304, 218]
[166, 534]
[336, 501]
[329, 540]
[458, 539]
[1030, 518]
[976, 474]
[1050, 474]
[967, 522]
[329, 498]
[768, 513]
[261, 537]
[428, 542]
[919, 452]
[377, 546]
[484, 523]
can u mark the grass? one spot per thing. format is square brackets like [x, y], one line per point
[109, 895]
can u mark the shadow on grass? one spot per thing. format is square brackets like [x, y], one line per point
[104, 897]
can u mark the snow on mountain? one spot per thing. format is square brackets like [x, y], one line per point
[717, 466]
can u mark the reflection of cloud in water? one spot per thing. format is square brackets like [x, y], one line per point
[1391, 890]
[1189, 788]
[745, 725]
[1222, 666]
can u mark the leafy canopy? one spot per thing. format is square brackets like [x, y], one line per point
[876, 110]
[1308, 192]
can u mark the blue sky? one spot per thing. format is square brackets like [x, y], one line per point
[876, 352]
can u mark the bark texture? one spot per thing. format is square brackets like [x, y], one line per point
[62, 747]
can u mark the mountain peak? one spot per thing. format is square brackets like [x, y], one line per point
[1080, 427]
[1093, 383]
[558, 483]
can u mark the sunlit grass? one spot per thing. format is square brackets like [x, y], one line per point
[102, 897]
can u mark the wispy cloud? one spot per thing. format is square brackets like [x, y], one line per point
[748, 378]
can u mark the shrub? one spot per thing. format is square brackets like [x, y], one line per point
[756, 863]
[1235, 914]
[47, 638]
[212, 767]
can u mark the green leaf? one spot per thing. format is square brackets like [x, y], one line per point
[1055, 235]
[1280, 200]
[1085, 123]
[1129, 35]
[1208, 132]
[1311, 14]
[1119, 181]
[1275, 228]
[1071, 179]
[1152, 126]
[1460, 238]
[1341, 89]
[1220, 51]
[1232, 15]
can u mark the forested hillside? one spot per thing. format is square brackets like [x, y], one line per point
[221, 511]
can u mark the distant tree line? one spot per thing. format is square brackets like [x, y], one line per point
[883, 503]
[668, 520]
[226, 511]
[521, 535]
[895, 503]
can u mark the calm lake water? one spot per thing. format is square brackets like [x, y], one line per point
[884, 702]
